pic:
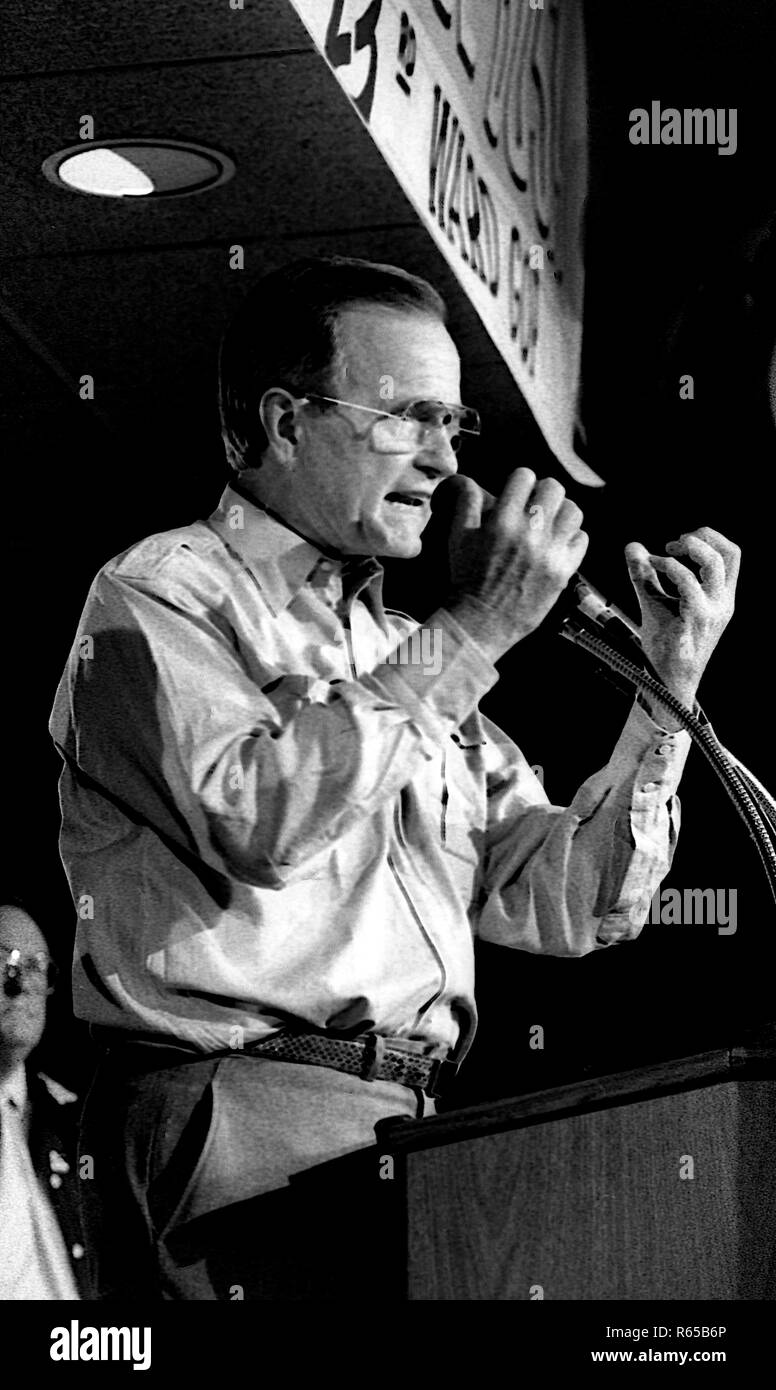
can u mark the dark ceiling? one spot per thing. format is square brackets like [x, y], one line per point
[136, 293]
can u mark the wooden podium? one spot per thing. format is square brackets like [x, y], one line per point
[651, 1184]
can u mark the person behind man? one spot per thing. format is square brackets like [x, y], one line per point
[282, 829]
[41, 1246]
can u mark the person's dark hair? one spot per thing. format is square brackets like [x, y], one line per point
[285, 334]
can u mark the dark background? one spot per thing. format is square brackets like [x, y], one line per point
[680, 272]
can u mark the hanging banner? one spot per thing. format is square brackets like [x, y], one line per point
[480, 109]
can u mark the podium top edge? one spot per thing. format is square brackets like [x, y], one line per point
[748, 1061]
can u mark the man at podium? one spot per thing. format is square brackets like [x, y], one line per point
[284, 818]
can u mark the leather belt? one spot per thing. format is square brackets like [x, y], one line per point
[370, 1056]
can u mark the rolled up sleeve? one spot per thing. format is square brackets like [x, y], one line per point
[568, 881]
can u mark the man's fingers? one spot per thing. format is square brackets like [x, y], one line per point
[467, 504]
[578, 546]
[550, 495]
[727, 549]
[539, 505]
[643, 574]
[681, 578]
[512, 505]
[569, 518]
[709, 562]
[637, 558]
[646, 570]
[488, 502]
[542, 502]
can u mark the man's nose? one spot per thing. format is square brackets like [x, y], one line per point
[437, 455]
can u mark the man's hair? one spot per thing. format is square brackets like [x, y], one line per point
[285, 334]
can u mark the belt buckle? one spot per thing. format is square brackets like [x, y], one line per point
[438, 1077]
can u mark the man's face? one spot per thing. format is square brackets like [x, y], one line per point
[339, 486]
[22, 999]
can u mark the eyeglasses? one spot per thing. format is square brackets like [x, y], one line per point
[408, 428]
[36, 968]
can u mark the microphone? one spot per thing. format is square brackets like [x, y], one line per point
[584, 605]
[582, 609]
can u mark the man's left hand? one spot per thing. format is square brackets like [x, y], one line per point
[682, 623]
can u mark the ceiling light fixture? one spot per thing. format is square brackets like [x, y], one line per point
[138, 168]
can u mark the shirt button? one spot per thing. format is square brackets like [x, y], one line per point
[650, 787]
[326, 566]
[55, 1180]
[665, 750]
[77, 1252]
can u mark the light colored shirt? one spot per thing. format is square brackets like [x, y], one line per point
[33, 1259]
[267, 821]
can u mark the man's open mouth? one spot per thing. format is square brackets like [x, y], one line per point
[405, 499]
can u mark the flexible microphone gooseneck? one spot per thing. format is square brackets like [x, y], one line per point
[601, 629]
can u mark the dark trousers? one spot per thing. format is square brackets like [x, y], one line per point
[189, 1197]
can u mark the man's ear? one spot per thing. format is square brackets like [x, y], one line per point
[277, 410]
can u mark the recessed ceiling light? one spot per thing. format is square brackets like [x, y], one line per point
[138, 168]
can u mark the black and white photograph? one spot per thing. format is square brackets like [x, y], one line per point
[388, 896]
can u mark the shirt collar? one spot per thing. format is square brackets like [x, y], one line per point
[14, 1087]
[279, 558]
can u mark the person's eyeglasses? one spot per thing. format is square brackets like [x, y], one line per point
[36, 969]
[408, 428]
